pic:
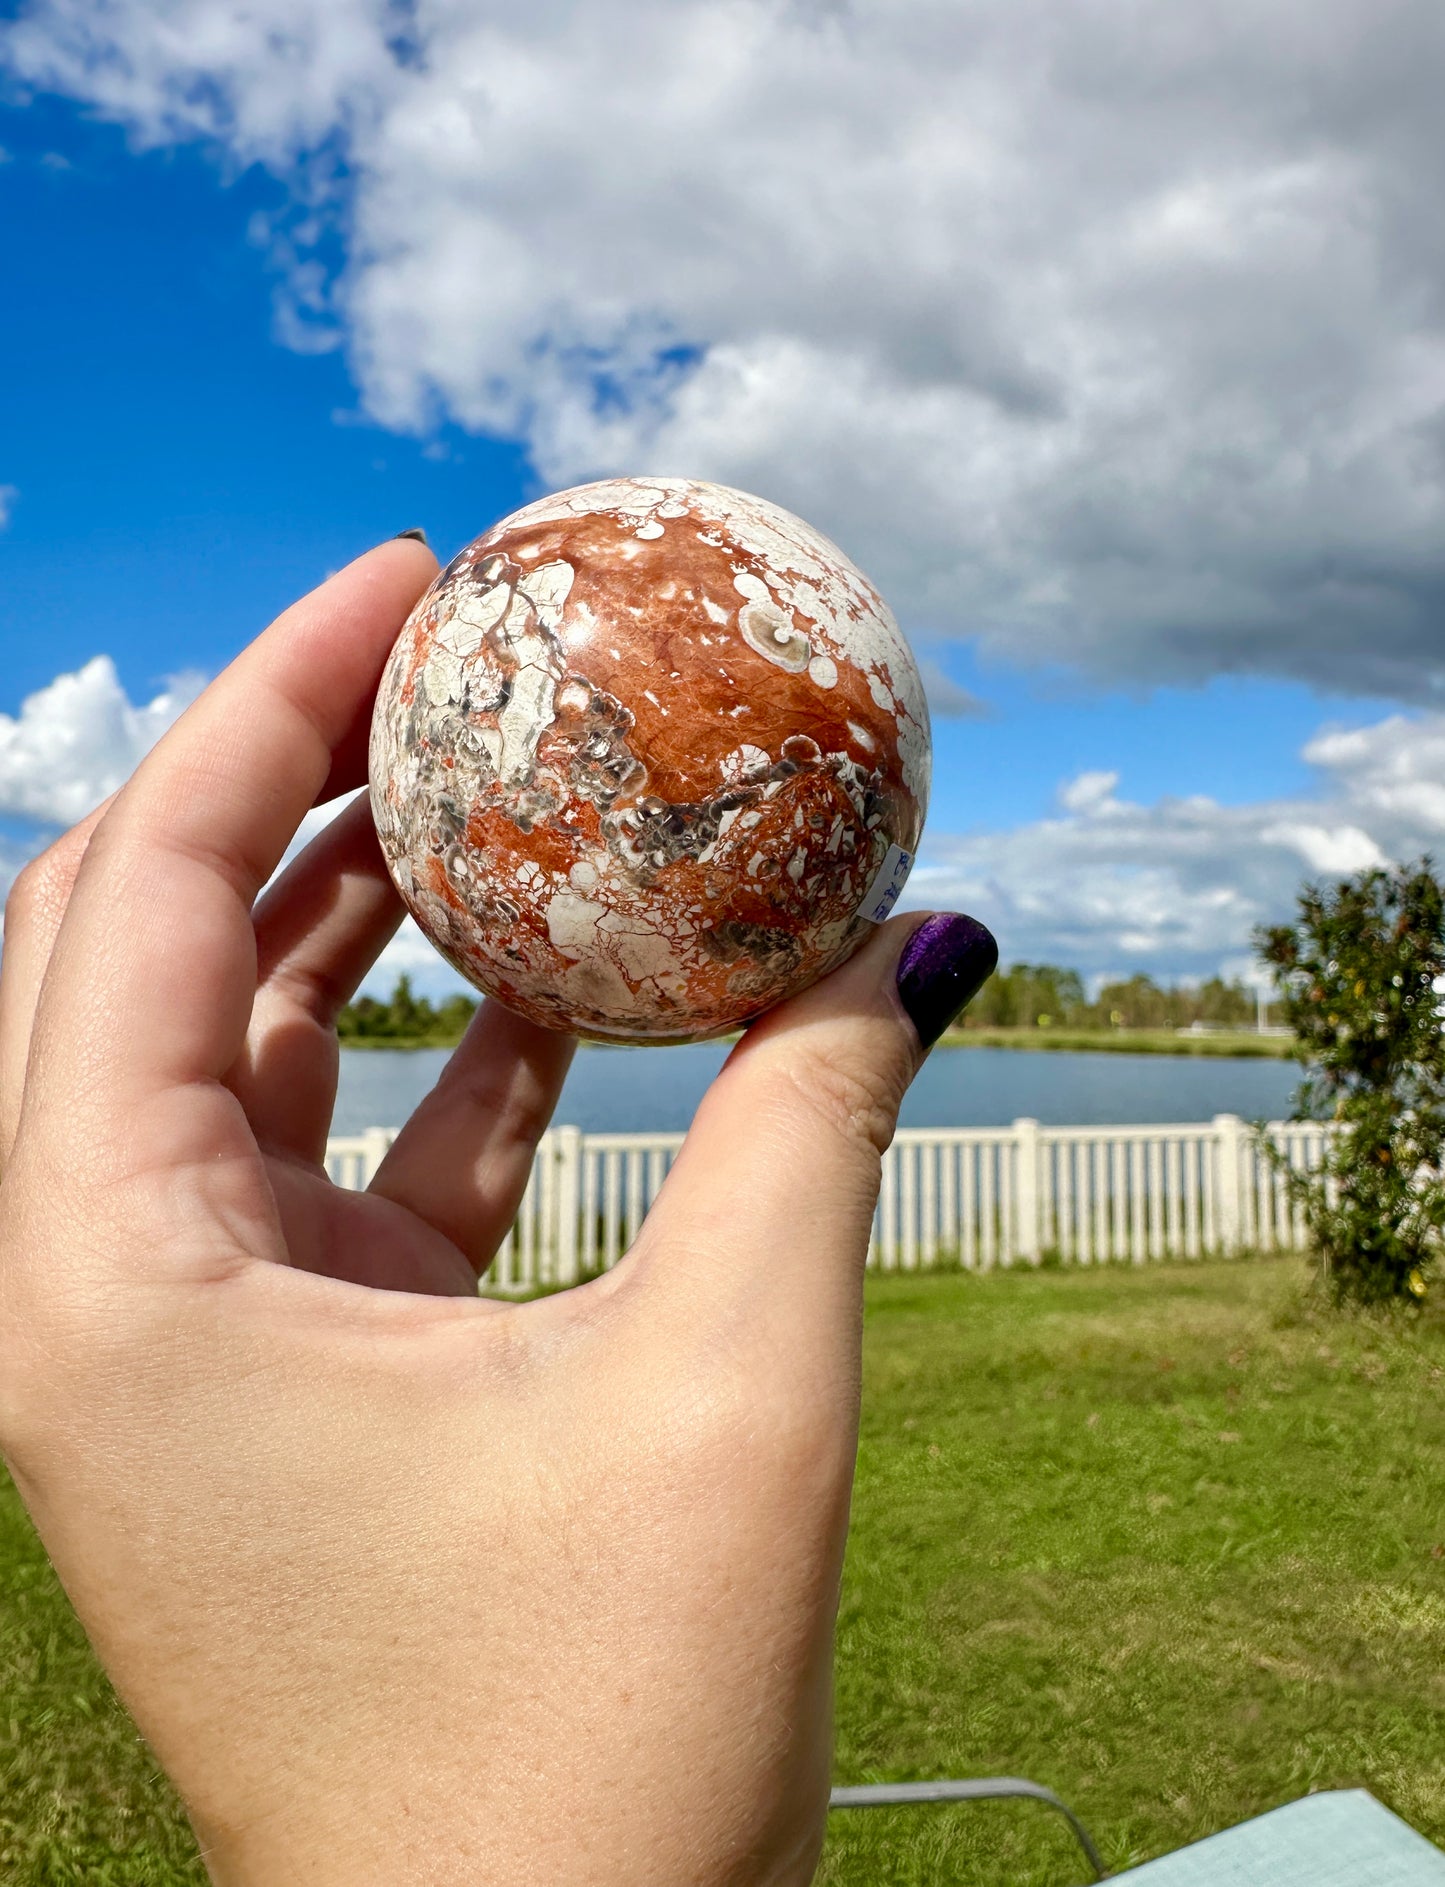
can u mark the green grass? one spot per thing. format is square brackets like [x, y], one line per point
[82, 1803]
[1166, 1540]
[1170, 1540]
[1234, 1043]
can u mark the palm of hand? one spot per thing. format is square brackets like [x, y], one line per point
[372, 1560]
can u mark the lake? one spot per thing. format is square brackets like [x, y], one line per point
[655, 1090]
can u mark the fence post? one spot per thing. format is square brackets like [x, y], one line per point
[1229, 1190]
[1027, 1196]
[887, 1214]
[375, 1144]
[568, 1154]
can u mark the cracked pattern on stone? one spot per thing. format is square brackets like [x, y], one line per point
[639, 754]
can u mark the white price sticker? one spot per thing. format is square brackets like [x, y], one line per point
[891, 877]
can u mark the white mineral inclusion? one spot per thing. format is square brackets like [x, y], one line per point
[823, 671]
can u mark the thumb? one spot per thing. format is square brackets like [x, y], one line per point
[765, 1217]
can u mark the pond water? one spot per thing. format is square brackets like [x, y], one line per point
[655, 1090]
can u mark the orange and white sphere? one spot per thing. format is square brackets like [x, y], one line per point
[649, 756]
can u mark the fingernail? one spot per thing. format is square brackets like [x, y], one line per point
[944, 965]
[418, 533]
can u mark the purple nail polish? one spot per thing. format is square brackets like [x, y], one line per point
[944, 965]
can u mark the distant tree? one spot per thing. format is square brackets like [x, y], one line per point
[360, 1018]
[1041, 995]
[1140, 1003]
[405, 1017]
[1058, 994]
[1020, 996]
[1361, 973]
[454, 1015]
[1229, 1004]
[407, 1013]
[995, 1005]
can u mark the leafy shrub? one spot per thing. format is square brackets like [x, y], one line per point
[1361, 974]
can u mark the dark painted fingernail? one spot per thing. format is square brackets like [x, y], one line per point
[944, 965]
[418, 533]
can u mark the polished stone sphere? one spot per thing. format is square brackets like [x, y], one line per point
[649, 756]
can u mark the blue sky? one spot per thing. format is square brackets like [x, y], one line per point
[194, 432]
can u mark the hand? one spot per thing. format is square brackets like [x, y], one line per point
[401, 1584]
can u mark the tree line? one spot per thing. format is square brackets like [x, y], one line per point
[406, 1017]
[1029, 995]
[1042, 996]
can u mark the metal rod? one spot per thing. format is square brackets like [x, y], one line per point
[976, 1789]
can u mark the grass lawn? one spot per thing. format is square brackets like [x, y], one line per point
[1169, 1540]
[1162, 1539]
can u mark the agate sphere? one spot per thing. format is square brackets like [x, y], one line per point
[649, 756]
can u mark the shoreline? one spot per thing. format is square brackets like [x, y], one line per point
[405, 1042]
[1232, 1047]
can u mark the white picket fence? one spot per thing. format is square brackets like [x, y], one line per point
[970, 1196]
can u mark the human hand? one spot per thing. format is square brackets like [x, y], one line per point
[401, 1584]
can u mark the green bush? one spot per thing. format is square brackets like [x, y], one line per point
[1362, 973]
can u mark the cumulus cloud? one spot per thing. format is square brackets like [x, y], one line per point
[1090, 792]
[1107, 334]
[946, 697]
[77, 740]
[1175, 888]
[1395, 770]
[1106, 884]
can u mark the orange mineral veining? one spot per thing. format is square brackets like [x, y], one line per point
[649, 756]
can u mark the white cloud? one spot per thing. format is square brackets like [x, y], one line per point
[1396, 769]
[8, 495]
[81, 737]
[1105, 885]
[1091, 792]
[946, 697]
[77, 740]
[1336, 851]
[1109, 334]
[1176, 888]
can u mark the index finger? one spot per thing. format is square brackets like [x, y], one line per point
[152, 977]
